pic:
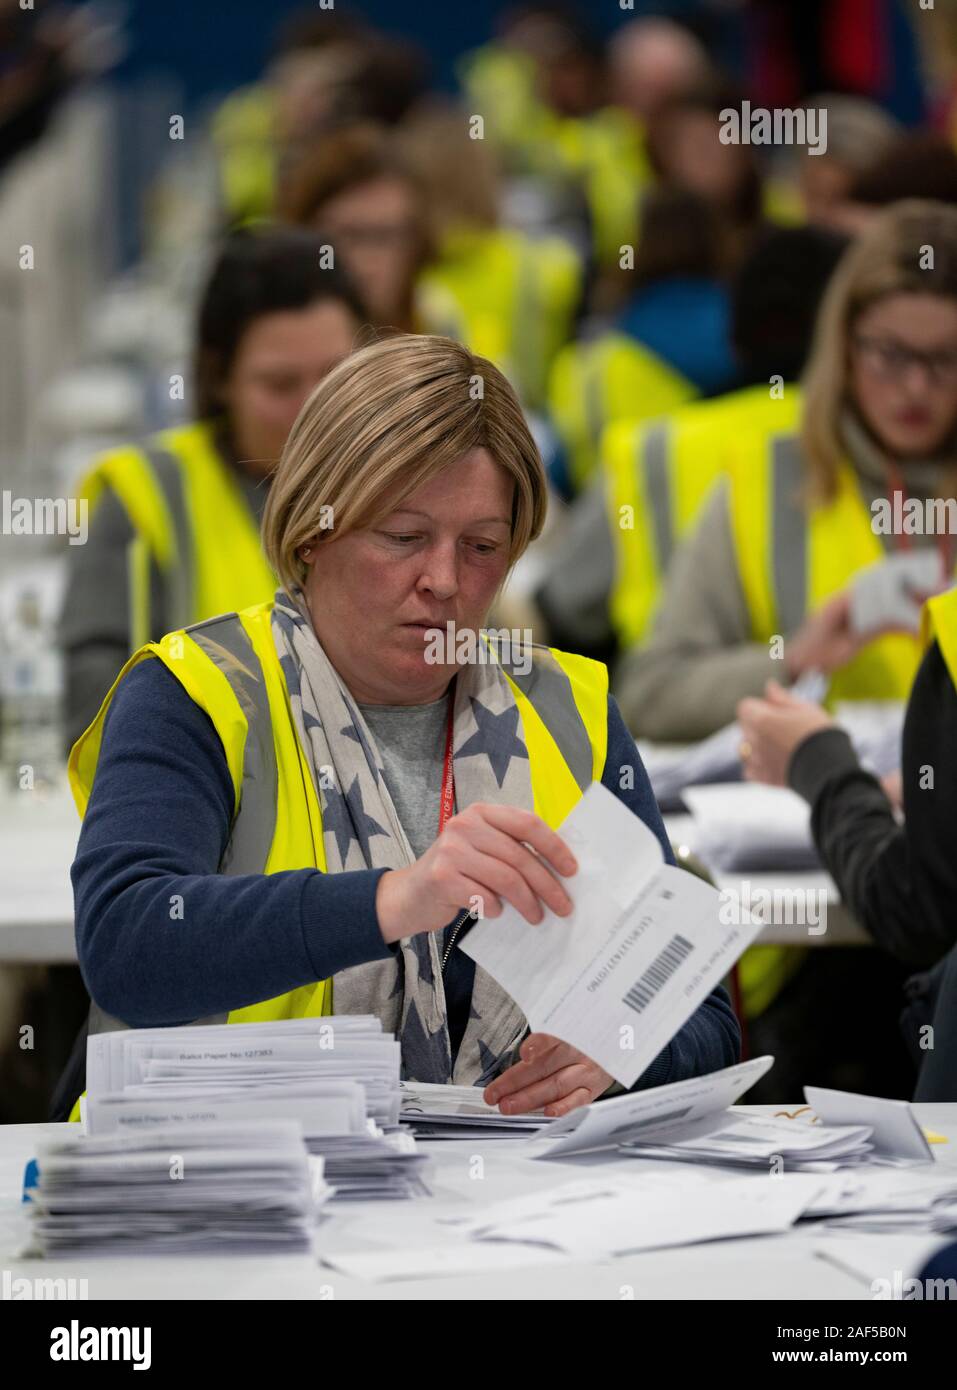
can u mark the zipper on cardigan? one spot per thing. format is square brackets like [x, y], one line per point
[456, 928]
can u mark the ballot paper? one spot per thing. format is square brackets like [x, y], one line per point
[248, 1188]
[431, 1261]
[717, 758]
[750, 1139]
[873, 726]
[616, 1217]
[642, 947]
[336, 1077]
[747, 825]
[892, 593]
[895, 1131]
[437, 1111]
[881, 1199]
[695, 1105]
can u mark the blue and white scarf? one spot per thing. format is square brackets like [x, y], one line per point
[361, 830]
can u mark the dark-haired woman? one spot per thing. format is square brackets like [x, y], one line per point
[174, 522]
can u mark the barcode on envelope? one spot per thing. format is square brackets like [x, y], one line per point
[658, 973]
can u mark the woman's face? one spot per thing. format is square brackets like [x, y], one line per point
[437, 559]
[375, 226]
[694, 157]
[903, 372]
[280, 360]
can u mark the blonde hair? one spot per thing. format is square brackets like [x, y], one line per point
[884, 260]
[382, 423]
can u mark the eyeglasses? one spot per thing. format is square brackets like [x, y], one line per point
[888, 360]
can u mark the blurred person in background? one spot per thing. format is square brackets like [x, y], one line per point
[686, 152]
[898, 879]
[669, 342]
[549, 100]
[38, 67]
[784, 533]
[328, 69]
[653, 61]
[174, 522]
[604, 576]
[859, 134]
[413, 216]
[761, 589]
[918, 164]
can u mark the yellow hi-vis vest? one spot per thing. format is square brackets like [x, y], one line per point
[508, 297]
[939, 623]
[791, 560]
[657, 474]
[229, 666]
[244, 142]
[190, 518]
[595, 384]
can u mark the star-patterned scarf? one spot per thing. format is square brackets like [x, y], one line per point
[361, 830]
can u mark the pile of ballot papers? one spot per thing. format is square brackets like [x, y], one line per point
[336, 1077]
[875, 728]
[249, 1188]
[745, 1139]
[889, 1202]
[459, 1112]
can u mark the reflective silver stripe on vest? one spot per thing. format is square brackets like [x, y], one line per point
[549, 690]
[789, 532]
[654, 463]
[178, 581]
[226, 643]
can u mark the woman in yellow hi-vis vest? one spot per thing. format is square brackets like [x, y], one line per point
[174, 527]
[346, 771]
[761, 589]
[416, 226]
[898, 878]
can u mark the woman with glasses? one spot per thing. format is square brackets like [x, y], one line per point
[762, 588]
[414, 219]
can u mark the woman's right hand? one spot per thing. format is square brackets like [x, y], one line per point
[481, 859]
[825, 640]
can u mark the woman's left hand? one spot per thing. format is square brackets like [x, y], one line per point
[771, 730]
[552, 1074]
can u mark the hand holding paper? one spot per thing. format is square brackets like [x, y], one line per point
[641, 949]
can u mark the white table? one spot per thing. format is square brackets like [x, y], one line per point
[770, 1267]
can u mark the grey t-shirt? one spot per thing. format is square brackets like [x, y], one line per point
[411, 740]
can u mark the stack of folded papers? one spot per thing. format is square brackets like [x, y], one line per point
[745, 825]
[337, 1077]
[874, 727]
[459, 1112]
[748, 1140]
[888, 1201]
[249, 1188]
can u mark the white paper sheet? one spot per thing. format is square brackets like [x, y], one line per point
[641, 949]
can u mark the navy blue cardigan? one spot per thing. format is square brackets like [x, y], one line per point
[155, 830]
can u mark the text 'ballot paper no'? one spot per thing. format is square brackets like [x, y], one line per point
[642, 947]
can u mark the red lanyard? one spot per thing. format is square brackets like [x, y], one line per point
[447, 802]
[944, 542]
